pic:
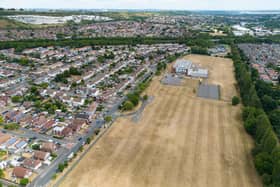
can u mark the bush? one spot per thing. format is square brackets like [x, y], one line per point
[88, 141]
[96, 131]
[235, 101]
[145, 97]
[35, 146]
[24, 182]
[16, 99]
[11, 126]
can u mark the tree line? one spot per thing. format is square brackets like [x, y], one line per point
[266, 152]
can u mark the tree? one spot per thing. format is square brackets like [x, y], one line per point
[128, 105]
[2, 174]
[235, 100]
[268, 103]
[24, 181]
[134, 98]
[11, 126]
[247, 111]
[65, 164]
[1, 119]
[108, 119]
[267, 179]
[263, 163]
[16, 99]
[276, 154]
[274, 118]
[276, 173]
[61, 167]
[269, 141]
[263, 125]
[250, 124]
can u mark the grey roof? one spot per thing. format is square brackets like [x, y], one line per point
[181, 63]
[21, 144]
[171, 80]
[11, 141]
[209, 91]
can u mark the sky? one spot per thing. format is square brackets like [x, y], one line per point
[146, 4]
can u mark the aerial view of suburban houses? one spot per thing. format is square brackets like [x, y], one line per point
[73, 91]
[109, 94]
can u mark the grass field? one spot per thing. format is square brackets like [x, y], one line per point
[180, 141]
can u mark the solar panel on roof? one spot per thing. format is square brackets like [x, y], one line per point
[20, 144]
[11, 141]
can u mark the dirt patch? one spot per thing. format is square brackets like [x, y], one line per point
[180, 140]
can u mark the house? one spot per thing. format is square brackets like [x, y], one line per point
[48, 125]
[20, 172]
[21, 145]
[78, 102]
[91, 109]
[26, 120]
[3, 164]
[48, 147]
[32, 164]
[4, 101]
[40, 155]
[84, 116]
[67, 132]
[58, 130]
[77, 124]
[4, 138]
[39, 121]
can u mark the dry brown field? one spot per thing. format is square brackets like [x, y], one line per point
[180, 141]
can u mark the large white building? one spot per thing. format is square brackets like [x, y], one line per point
[197, 72]
[182, 66]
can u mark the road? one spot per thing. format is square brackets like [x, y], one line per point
[30, 134]
[8, 183]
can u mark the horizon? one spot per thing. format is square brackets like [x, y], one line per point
[170, 5]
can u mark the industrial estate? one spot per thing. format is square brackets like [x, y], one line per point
[139, 98]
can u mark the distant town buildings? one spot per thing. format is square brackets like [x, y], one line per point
[265, 58]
